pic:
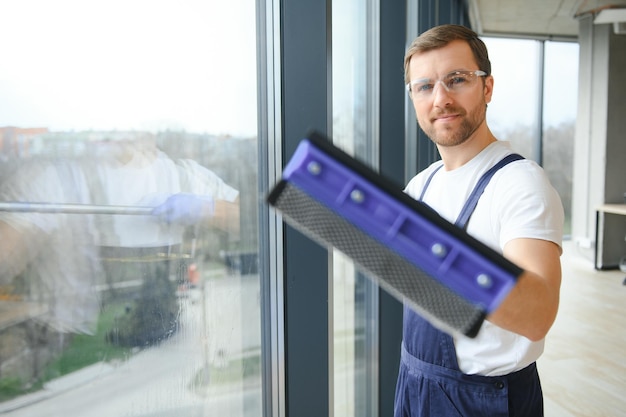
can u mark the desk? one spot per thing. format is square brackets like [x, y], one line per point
[610, 234]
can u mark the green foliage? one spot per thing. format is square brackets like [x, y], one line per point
[10, 387]
[153, 316]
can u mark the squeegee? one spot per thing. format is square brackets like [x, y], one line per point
[438, 269]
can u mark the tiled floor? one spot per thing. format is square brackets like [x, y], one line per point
[583, 369]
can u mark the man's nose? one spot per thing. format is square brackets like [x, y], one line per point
[441, 94]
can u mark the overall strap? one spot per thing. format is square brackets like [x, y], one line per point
[428, 182]
[478, 190]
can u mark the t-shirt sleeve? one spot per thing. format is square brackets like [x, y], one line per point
[200, 180]
[531, 208]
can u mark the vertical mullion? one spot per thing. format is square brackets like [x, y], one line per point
[369, 393]
[538, 145]
[391, 154]
[270, 225]
[305, 106]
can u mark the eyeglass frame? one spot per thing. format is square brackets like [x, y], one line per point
[477, 73]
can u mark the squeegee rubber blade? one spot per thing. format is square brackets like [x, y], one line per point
[402, 279]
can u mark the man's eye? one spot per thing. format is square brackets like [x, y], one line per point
[423, 88]
[456, 80]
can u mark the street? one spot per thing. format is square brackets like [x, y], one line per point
[167, 380]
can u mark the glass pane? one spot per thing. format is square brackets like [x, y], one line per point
[352, 329]
[513, 111]
[560, 104]
[128, 209]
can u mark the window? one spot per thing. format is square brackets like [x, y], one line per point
[560, 105]
[534, 105]
[513, 112]
[107, 110]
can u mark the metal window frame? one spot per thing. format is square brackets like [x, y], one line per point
[294, 43]
[270, 225]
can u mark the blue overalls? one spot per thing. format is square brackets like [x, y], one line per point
[430, 383]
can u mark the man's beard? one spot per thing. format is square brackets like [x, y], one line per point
[453, 137]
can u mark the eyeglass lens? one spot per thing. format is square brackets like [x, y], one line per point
[454, 82]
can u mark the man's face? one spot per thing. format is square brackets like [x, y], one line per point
[449, 118]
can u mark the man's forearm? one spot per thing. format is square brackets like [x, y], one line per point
[531, 307]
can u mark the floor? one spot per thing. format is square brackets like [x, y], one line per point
[583, 369]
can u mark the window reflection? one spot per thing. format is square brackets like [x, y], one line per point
[128, 233]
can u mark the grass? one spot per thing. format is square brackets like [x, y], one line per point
[83, 350]
[86, 350]
[9, 388]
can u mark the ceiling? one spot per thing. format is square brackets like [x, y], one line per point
[542, 19]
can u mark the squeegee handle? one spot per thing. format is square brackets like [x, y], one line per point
[32, 207]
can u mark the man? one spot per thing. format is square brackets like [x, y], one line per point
[519, 214]
[54, 260]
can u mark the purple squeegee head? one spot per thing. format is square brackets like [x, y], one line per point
[422, 259]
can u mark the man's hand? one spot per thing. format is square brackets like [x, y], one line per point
[185, 208]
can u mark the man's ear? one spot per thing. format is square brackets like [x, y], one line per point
[488, 89]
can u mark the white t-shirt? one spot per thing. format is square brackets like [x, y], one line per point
[519, 202]
[149, 181]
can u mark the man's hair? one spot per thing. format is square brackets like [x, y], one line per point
[440, 36]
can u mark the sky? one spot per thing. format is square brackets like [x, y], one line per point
[183, 65]
[140, 64]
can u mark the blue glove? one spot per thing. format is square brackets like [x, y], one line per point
[185, 208]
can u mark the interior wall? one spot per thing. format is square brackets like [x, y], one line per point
[615, 185]
[600, 141]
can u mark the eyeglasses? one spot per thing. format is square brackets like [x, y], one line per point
[455, 82]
